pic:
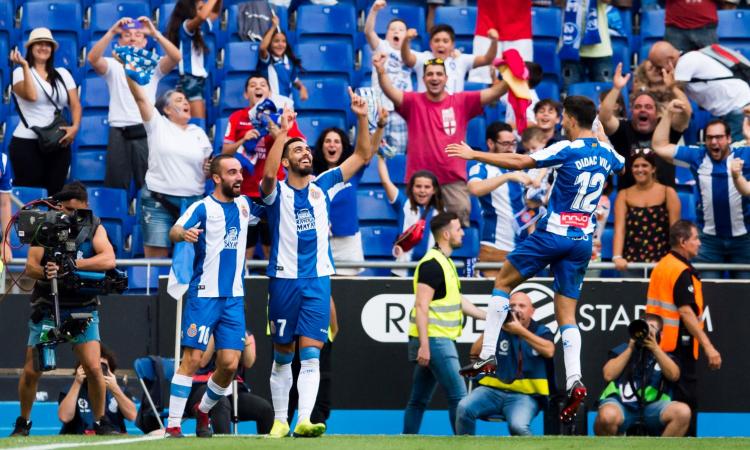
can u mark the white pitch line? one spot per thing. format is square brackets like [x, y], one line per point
[87, 444]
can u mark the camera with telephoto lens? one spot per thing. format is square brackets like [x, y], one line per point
[639, 331]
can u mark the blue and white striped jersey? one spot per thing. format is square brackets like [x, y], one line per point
[582, 168]
[193, 58]
[299, 223]
[499, 207]
[219, 264]
[722, 211]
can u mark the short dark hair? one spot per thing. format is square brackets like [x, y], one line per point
[396, 19]
[727, 128]
[75, 190]
[256, 75]
[531, 133]
[494, 128]
[548, 102]
[536, 74]
[440, 221]
[582, 109]
[680, 231]
[443, 28]
[285, 151]
[216, 163]
[320, 164]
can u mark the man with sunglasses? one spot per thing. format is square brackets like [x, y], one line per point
[723, 213]
[436, 119]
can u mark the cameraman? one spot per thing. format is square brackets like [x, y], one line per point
[94, 253]
[641, 376]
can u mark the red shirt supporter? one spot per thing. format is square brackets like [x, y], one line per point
[511, 18]
[239, 124]
[432, 126]
[690, 14]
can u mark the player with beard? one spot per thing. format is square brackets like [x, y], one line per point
[214, 304]
[301, 262]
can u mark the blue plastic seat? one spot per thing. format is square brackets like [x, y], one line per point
[475, 133]
[220, 128]
[546, 23]
[590, 89]
[377, 240]
[548, 89]
[94, 94]
[231, 94]
[67, 55]
[463, 19]
[329, 22]
[683, 177]
[241, 57]
[545, 54]
[141, 280]
[332, 58]
[62, 18]
[652, 30]
[621, 53]
[116, 236]
[475, 216]
[312, 124]
[145, 370]
[88, 166]
[325, 94]
[94, 131]
[688, 202]
[733, 24]
[27, 194]
[413, 15]
[608, 237]
[470, 247]
[397, 169]
[373, 206]
[104, 14]
[109, 203]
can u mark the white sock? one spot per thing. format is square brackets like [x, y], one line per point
[281, 383]
[179, 393]
[571, 339]
[213, 394]
[307, 386]
[497, 311]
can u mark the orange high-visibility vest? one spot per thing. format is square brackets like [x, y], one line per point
[661, 300]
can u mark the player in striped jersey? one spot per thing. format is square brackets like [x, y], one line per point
[217, 227]
[301, 263]
[562, 238]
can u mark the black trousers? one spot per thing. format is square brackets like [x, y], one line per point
[322, 409]
[127, 159]
[686, 390]
[33, 168]
[250, 407]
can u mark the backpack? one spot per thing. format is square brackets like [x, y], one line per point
[731, 59]
[146, 419]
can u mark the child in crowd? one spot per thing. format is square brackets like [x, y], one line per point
[547, 114]
[443, 46]
[279, 64]
[190, 21]
[400, 75]
[537, 192]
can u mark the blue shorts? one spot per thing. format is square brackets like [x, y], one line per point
[156, 221]
[568, 259]
[299, 307]
[224, 317]
[191, 86]
[47, 322]
[651, 414]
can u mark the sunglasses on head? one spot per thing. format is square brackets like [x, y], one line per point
[640, 151]
[433, 61]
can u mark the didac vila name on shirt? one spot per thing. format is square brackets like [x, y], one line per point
[589, 161]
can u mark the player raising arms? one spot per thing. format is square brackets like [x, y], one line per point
[562, 238]
[300, 264]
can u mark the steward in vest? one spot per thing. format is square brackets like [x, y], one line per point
[95, 254]
[520, 385]
[436, 322]
[641, 377]
[675, 294]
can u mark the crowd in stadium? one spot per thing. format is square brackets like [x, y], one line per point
[143, 95]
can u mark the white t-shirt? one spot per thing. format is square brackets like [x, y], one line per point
[41, 112]
[398, 72]
[719, 97]
[455, 68]
[175, 157]
[123, 111]
[510, 115]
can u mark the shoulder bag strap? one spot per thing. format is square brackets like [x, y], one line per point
[41, 86]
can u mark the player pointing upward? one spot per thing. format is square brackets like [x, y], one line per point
[301, 263]
[562, 238]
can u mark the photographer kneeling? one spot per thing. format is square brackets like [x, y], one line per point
[78, 318]
[641, 376]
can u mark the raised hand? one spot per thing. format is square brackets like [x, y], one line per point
[737, 165]
[493, 34]
[461, 150]
[117, 26]
[378, 5]
[411, 33]
[620, 81]
[17, 58]
[378, 62]
[359, 104]
[148, 26]
[677, 106]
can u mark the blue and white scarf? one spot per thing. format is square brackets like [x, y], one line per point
[139, 63]
[579, 14]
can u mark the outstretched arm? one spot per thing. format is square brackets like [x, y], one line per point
[489, 56]
[408, 56]
[273, 158]
[96, 55]
[660, 140]
[364, 148]
[395, 95]
[493, 93]
[372, 37]
[144, 105]
[609, 104]
[512, 161]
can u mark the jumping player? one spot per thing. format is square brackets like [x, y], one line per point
[562, 238]
[217, 226]
[300, 264]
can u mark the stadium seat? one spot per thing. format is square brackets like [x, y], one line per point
[26, 194]
[545, 54]
[136, 242]
[5, 68]
[621, 53]
[548, 89]
[463, 19]
[688, 202]
[88, 166]
[67, 56]
[683, 177]
[608, 237]
[370, 177]
[8, 35]
[377, 240]
[63, 18]
[141, 280]
[733, 24]
[312, 124]
[94, 131]
[590, 89]
[652, 30]
[332, 59]
[231, 94]
[325, 94]
[373, 206]
[220, 129]
[337, 22]
[397, 169]
[475, 216]
[470, 247]
[116, 236]
[146, 371]
[475, 133]
[104, 14]
[109, 203]
[169, 81]
[546, 23]
[240, 57]
[414, 16]
[94, 94]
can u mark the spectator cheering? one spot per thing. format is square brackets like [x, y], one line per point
[547, 116]
[127, 148]
[643, 214]
[640, 377]
[435, 119]
[278, 63]
[627, 136]
[443, 48]
[436, 322]
[723, 213]
[190, 21]
[177, 165]
[520, 386]
[42, 91]
[74, 410]
[706, 81]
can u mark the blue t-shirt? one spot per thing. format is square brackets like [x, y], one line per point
[344, 213]
[582, 168]
[722, 210]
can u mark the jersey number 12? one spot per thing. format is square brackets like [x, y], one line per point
[584, 181]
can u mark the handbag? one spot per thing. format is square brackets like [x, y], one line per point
[49, 135]
[412, 235]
